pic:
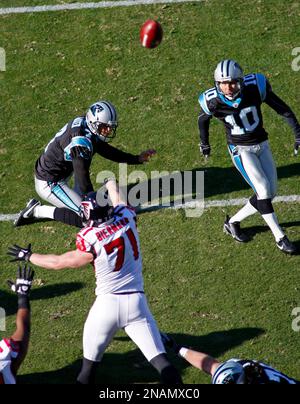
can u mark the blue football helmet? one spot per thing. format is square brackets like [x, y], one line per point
[230, 372]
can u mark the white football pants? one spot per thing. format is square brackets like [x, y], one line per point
[257, 167]
[112, 312]
[59, 194]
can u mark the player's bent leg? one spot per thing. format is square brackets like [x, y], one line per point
[87, 373]
[58, 194]
[168, 373]
[142, 329]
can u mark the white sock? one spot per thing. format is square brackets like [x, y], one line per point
[44, 211]
[246, 211]
[272, 222]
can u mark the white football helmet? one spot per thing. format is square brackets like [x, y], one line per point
[229, 70]
[229, 372]
[101, 119]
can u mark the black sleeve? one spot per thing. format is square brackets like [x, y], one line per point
[282, 109]
[203, 125]
[111, 153]
[81, 168]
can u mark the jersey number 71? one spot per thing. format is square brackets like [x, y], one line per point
[119, 244]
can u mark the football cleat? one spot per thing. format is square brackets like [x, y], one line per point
[234, 230]
[27, 213]
[286, 246]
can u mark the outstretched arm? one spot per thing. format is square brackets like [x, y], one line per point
[21, 335]
[114, 193]
[199, 360]
[71, 259]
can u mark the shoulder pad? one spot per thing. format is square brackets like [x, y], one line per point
[79, 141]
[76, 123]
[205, 98]
[260, 81]
[262, 85]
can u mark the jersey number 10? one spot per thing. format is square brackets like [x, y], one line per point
[244, 117]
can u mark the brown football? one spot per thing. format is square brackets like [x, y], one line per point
[151, 34]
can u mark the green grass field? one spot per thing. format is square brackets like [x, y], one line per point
[227, 299]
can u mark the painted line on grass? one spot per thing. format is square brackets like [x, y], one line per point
[81, 6]
[216, 203]
[189, 205]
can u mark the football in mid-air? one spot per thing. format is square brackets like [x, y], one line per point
[151, 34]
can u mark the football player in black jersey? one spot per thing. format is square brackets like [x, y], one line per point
[232, 371]
[236, 100]
[71, 152]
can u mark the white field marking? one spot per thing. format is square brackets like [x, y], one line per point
[81, 6]
[189, 205]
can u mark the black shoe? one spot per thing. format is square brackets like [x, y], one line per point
[26, 215]
[286, 246]
[235, 231]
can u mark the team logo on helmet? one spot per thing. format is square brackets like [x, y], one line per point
[101, 119]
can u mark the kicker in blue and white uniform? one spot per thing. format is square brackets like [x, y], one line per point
[236, 100]
[69, 153]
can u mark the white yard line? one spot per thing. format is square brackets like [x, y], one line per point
[81, 6]
[207, 204]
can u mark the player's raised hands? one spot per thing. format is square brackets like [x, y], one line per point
[19, 253]
[23, 282]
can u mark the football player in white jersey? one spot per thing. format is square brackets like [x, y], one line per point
[110, 242]
[13, 350]
[232, 371]
[236, 100]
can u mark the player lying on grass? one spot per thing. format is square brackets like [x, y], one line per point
[14, 349]
[110, 242]
[236, 100]
[232, 371]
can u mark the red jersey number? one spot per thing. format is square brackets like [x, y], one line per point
[119, 244]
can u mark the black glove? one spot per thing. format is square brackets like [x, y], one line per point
[296, 146]
[23, 282]
[169, 342]
[19, 253]
[205, 149]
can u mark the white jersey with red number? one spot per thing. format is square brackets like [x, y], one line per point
[116, 248]
[9, 350]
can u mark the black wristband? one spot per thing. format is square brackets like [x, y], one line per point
[23, 302]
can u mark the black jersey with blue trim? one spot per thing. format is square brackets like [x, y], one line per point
[56, 163]
[260, 373]
[242, 117]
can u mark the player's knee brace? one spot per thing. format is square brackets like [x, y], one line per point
[87, 374]
[67, 216]
[168, 373]
[264, 206]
